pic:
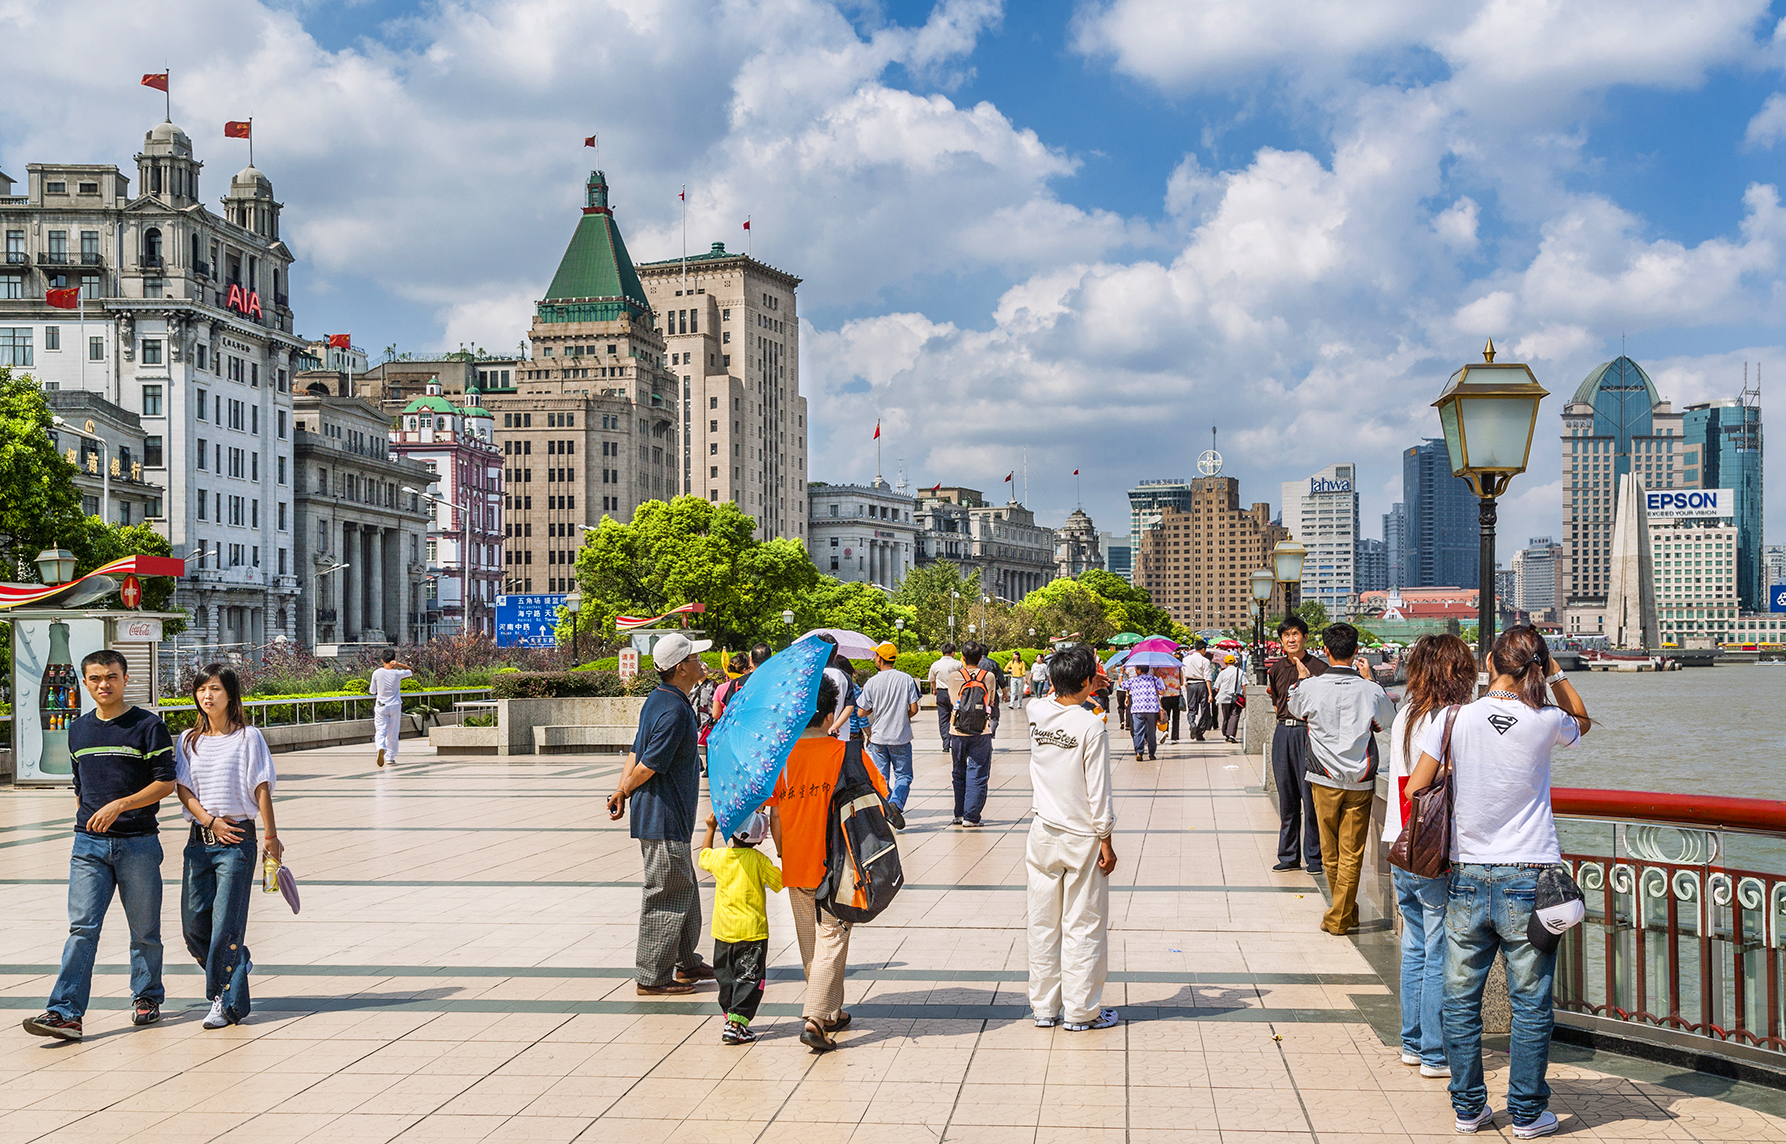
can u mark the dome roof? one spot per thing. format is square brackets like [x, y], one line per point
[249, 181]
[430, 404]
[165, 137]
[1620, 373]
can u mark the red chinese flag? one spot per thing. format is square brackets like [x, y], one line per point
[746, 224]
[238, 128]
[156, 80]
[589, 141]
[1009, 475]
[341, 341]
[65, 299]
[938, 487]
[877, 430]
[1075, 472]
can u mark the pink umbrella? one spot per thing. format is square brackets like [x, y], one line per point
[1153, 643]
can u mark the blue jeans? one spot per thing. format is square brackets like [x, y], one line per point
[972, 755]
[214, 914]
[1144, 730]
[1487, 910]
[97, 864]
[895, 763]
[1423, 903]
[945, 710]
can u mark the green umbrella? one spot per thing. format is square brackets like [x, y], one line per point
[1124, 639]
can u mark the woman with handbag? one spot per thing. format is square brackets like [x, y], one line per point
[1441, 674]
[1502, 836]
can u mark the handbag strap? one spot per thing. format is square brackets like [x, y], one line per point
[1445, 742]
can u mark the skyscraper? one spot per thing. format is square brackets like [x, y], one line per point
[1321, 514]
[1148, 499]
[1441, 538]
[1197, 561]
[1395, 546]
[1614, 424]
[1372, 566]
[1724, 438]
[1535, 578]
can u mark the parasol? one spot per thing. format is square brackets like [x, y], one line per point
[749, 745]
[853, 645]
[1124, 639]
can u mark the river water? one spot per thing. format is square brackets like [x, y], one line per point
[1717, 730]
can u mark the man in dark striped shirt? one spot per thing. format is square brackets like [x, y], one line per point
[123, 768]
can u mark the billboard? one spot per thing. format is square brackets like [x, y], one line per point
[1686, 504]
[47, 694]
[1777, 598]
[528, 621]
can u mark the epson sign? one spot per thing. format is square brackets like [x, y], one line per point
[1666, 503]
[1323, 485]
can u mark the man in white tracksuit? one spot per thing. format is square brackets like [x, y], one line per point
[387, 704]
[1069, 855]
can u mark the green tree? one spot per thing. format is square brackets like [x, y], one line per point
[39, 505]
[96, 543]
[832, 603]
[927, 592]
[686, 550]
[1099, 604]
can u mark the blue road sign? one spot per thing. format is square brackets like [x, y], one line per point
[528, 621]
[1777, 594]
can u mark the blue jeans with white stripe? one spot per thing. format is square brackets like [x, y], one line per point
[219, 878]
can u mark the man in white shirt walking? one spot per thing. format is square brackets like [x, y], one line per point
[1069, 855]
[938, 677]
[1199, 685]
[387, 704]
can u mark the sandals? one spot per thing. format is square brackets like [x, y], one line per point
[812, 1035]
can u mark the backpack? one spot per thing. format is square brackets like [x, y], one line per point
[971, 705]
[862, 870]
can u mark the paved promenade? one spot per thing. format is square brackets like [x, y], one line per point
[462, 971]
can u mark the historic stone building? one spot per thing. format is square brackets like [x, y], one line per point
[118, 466]
[351, 509]
[861, 533]
[732, 332]
[465, 502]
[1076, 547]
[1003, 543]
[1197, 563]
[185, 321]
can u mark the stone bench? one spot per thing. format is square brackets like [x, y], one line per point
[583, 738]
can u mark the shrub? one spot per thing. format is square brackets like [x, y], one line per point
[556, 685]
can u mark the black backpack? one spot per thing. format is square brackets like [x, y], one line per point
[971, 707]
[862, 870]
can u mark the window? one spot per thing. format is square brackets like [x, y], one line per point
[15, 345]
[202, 454]
[52, 337]
[151, 401]
[282, 470]
[201, 405]
[202, 502]
[152, 453]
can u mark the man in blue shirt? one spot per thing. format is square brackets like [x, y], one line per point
[123, 768]
[662, 777]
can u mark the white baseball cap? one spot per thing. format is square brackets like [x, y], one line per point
[754, 829]
[674, 648]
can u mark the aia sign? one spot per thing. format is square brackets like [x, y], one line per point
[244, 301]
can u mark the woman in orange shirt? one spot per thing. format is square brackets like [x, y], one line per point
[799, 814]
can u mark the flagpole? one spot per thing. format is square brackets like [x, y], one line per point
[685, 238]
[83, 345]
[167, 106]
[749, 238]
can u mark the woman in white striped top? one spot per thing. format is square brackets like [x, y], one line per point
[225, 781]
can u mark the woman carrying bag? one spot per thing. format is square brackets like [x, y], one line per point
[1441, 674]
[1230, 690]
[225, 778]
[1502, 837]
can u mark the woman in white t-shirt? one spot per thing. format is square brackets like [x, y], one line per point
[1441, 674]
[225, 779]
[1502, 836]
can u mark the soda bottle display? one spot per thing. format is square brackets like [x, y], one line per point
[58, 703]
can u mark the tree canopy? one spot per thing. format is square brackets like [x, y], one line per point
[832, 603]
[41, 506]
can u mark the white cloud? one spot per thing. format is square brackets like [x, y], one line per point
[1769, 125]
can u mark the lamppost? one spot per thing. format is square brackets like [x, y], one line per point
[55, 566]
[1489, 412]
[105, 468]
[899, 629]
[464, 553]
[1264, 583]
[315, 599]
[985, 602]
[574, 601]
[787, 617]
[1286, 561]
[1032, 637]
[953, 596]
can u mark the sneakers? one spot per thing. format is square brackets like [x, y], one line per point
[1543, 1126]
[1047, 1022]
[1104, 1020]
[957, 821]
[381, 756]
[972, 822]
[1410, 1058]
[53, 1025]
[737, 1034]
[1483, 1119]
[144, 1012]
[1434, 1070]
[216, 1018]
[1283, 866]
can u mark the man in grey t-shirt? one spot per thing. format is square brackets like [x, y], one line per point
[890, 699]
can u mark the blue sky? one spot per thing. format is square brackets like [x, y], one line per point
[1089, 229]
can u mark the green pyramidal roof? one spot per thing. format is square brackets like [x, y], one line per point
[596, 266]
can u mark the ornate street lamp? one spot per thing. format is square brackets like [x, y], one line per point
[574, 602]
[1286, 561]
[55, 566]
[787, 617]
[1489, 412]
[1264, 582]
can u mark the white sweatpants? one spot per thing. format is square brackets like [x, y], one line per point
[1069, 936]
[387, 728]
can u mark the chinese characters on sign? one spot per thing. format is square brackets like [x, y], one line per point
[528, 621]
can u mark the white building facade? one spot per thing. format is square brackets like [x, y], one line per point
[185, 320]
[1321, 514]
[862, 533]
[464, 501]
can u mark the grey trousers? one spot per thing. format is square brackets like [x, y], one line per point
[669, 912]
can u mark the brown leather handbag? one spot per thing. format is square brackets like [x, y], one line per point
[1424, 845]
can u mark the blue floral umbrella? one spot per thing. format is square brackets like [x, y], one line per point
[749, 746]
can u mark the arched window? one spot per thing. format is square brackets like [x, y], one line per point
[195, 260]
[155, 178]
[152, 246]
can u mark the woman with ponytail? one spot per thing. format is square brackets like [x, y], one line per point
[1502, 836]
[225, 781]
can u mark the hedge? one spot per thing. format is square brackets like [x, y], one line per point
[578, 684]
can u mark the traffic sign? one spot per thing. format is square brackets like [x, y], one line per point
[528, 621]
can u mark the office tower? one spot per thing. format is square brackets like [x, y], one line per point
[1441, 538]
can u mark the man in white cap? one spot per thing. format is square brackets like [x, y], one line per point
[662, 776]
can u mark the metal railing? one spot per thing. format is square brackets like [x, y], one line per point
[1686, 918]
[278, 712]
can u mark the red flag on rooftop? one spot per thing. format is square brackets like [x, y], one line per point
[65, 299]
[877, 430]
[1009, 475]
[938, 487]
[589, 141]
[341, 341]
[1075, 472]
[746, 224]
[156, 80]
[238, 129]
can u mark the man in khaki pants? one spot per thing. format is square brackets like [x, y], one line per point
[1343, 708]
